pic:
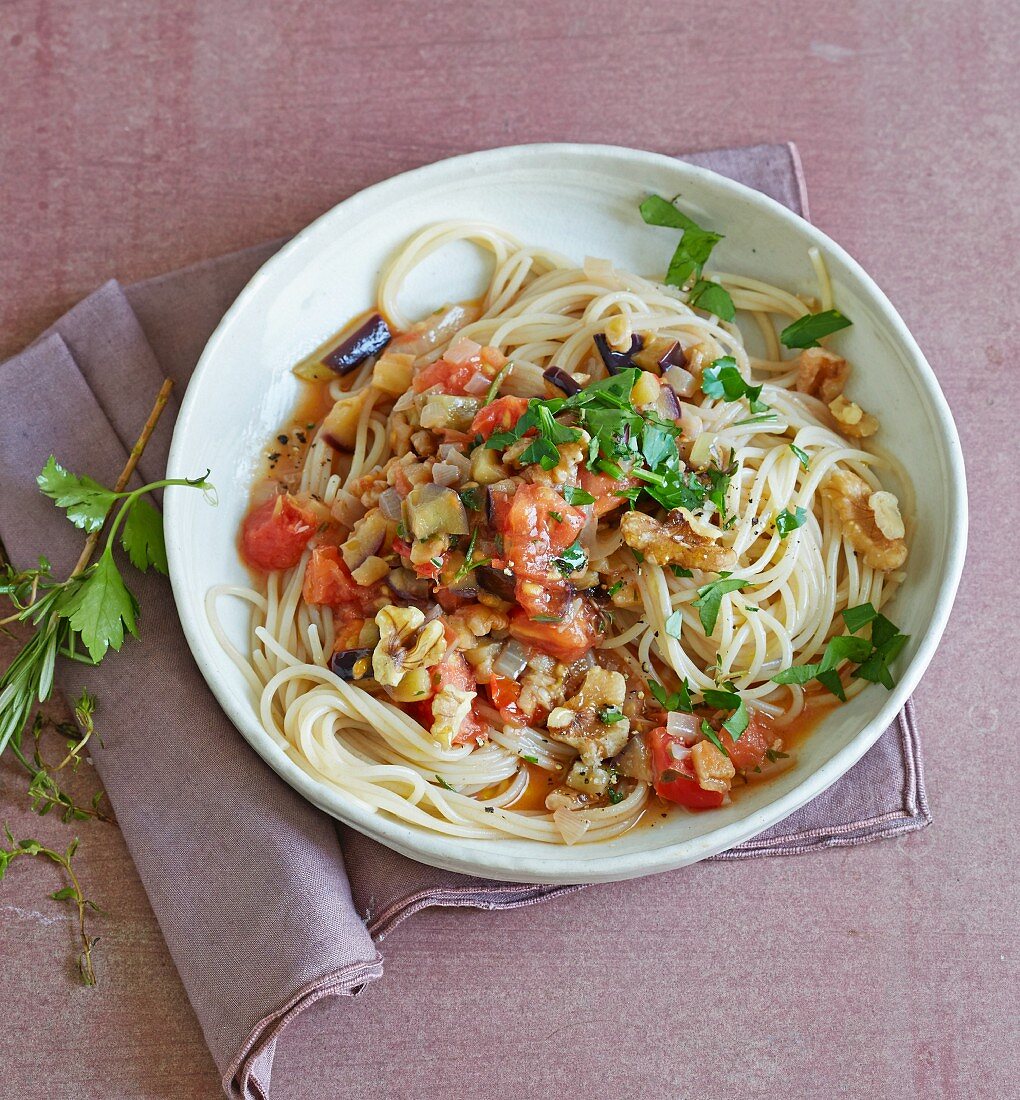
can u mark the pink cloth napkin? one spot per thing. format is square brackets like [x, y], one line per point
[266, 904]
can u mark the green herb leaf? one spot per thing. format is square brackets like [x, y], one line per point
[679, 571]
[723, 381]
[812, 327]
[712, 736]
[609, 716]
[576, 496]
[101, 608]
[674, 701]
[712, 298]
[710, 599]
[142, 537]
[739, 720]
[571, 560]
[802, 456]
[788, 521]
[695, 245]
[86, 502]
[859, 616]
[674, 624]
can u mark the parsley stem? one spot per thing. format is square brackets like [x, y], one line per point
[129, 468]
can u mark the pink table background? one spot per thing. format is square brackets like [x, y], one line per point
[137, 137]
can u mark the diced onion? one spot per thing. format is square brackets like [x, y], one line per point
[572, 825]
[445, 473]
[389, 504]
[595, 268]
[682, 725]
[449, 452]
[477, 384]
[681, 380]
[512, 661]
[462, 350]
[347, 508]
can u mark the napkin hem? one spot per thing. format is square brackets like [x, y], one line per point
[248, 1075]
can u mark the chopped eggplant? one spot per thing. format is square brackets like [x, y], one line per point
[497, 582]
[367, 339]
[562, 380]
[617, 361]
[351, 664]
[407, 585]
[445, 410]
[434, 510]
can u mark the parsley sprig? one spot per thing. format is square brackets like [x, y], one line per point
[91, 612]
[871, 655]
[690, 257]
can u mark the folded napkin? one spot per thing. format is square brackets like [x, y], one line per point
[266, 904]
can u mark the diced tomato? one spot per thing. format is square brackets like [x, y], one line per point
[748, 752]
[500, 416]
[566, 639]
[328, 582]
[675, 779]
[538, 525]
[604, 488]
[449, 377]
[504, 694]
[454, 671]
[275, 534]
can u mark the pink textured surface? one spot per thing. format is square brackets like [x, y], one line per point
[138, 138]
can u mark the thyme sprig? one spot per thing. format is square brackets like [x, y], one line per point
[72, 892]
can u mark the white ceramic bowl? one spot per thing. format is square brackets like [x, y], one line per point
[580, 200]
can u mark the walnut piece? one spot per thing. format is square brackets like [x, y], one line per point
[713, 768]
[406, 643]
[450, 706]
[579, 723]
[475, 621]
[852, 420]
[866, 516]
[821, 374]
[682, 540]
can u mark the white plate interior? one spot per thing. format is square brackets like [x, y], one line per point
[579, 200]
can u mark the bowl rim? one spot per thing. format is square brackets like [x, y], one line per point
[583, 862]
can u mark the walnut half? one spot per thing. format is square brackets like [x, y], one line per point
[682, 540]
[871, 520]
[406, 643]
[579, 722]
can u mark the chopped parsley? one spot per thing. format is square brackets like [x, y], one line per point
[442, 783]
[775, 754]
[729, 700]
[575, 496]
[609, 716]
[471, 499]
[690, 256]
[615, 796]
[710, 599]
[679, 571]
[614, 588]
[872, 655]
[712, 298]
[812, 327]
[675, 700]
[530, 759]
[674, 624]
[558, 516]
[788, 521]
[723, 381]
[712, 736]
[571, 560]
[802, 456]
[468, 565]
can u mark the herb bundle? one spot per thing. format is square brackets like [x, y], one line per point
[80, 618]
